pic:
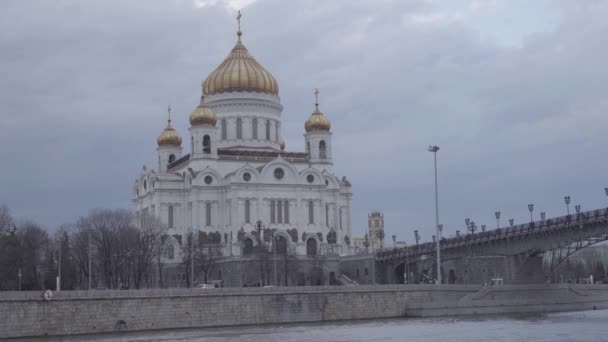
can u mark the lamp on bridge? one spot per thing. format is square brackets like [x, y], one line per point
[434, 238]
[472, 227]
[416, 236]
[511, 222]
[483, 227]
[606, 190]
[394, 240]
[531, 209]
[567, 200]
[467, 221]
[542, 216]
[577, 208]
[497, 214]
[458, 233]
[440, 230]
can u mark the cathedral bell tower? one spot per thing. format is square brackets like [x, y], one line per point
[318, 136]
[203, 132]
[169, 146]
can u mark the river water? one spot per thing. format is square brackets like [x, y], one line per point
[588, 326]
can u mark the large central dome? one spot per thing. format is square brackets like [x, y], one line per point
[240, 72]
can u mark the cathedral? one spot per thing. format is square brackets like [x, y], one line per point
[231, 176]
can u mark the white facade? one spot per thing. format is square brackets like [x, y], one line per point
[244, 176]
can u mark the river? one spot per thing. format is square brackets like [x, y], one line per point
[585, 326]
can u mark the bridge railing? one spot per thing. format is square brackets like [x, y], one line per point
[499, 233]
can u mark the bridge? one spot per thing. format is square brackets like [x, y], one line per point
[513, 253]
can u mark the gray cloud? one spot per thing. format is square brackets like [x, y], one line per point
[85, 86]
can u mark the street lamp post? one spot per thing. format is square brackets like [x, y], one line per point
[483, 227]
[577, 208]
[606, 191]
[497, 215]
[434, 149]
[58, 288]
[394, 240]
[531, 209]
[567, 200]
[542, 216]
[416, 236]
[192, 259]
[89, 258]
[511, 222]
[274, 252]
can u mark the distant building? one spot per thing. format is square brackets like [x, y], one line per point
[375, 222]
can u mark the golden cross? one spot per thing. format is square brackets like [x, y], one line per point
[169, 111]
[238, 20]
[316, 96]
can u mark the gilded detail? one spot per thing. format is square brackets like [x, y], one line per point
[240, 72]
[202, 115]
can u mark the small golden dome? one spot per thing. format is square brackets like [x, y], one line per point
[202, 115]
[240, 72]
[282, 144]
[169, 137]
[317, 121]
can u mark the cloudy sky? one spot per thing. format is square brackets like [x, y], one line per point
[513, 91]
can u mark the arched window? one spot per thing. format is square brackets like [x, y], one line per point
[311, 247]
[247, 246]
[208, 214]
[267, 129]
[322, 150]
[308, 147]
[224, 129]
[272, 212]
[247, 211]
[279, 211]
[170, 220]
[281, 245]
[171, 158]
[286, 207]
[170, 252]
[207, 144]
[276, 131]
[254, 128]
[239, 128]
[311, 213]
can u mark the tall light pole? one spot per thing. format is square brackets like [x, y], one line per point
[434, 149]
[416, 236]
[192, 259]
[606, 191]
[497, 215]
[483, 227]
[89, 257]
[567, 200]
[394, 241]
[531, 209]
[542, 217]
[511, 222]
[577, 208]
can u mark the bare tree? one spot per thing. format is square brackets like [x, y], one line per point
[148, 249]
[113, 236]
[6, 220]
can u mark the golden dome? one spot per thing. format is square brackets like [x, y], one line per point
[317, 121]
[202, 115]
[169, 137]
[282, 144]
[240, 72]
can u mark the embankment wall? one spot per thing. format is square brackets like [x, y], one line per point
[24, 314]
